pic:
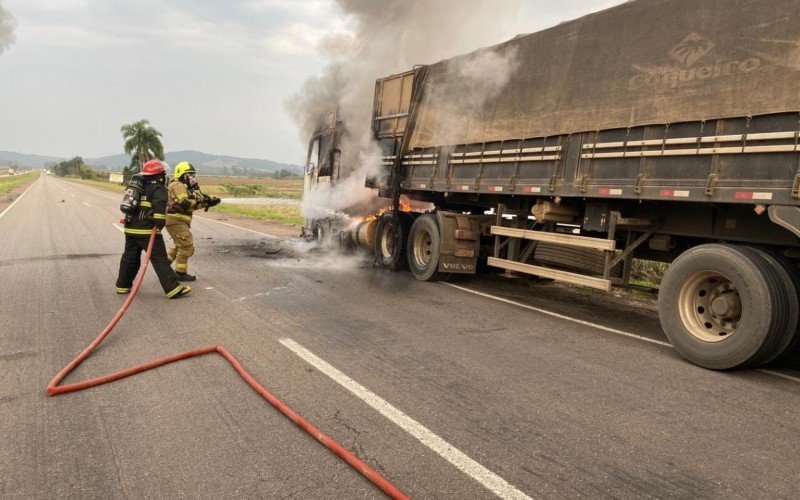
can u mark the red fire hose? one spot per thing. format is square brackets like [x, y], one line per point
[53, 389]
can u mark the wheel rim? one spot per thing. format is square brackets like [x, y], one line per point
[710, 306]
[422, 248]
[388, 241]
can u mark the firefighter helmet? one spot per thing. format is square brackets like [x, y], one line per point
[154, 167]
[183, 168]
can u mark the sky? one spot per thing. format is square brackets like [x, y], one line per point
[213, 76]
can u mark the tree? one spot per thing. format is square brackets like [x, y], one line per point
[73, 168]
[284, 174]
[142, 142]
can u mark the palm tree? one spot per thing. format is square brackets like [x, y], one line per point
[142, 142]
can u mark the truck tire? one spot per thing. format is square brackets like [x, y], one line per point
[790, 356]
[781, 272]
[390, 247]
[722, 307]
[424, 247]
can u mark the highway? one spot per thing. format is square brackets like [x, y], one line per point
[481, 388]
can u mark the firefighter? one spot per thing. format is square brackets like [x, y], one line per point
[138, 228]
[184, 198]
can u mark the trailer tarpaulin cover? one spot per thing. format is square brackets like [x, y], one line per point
[643, 62]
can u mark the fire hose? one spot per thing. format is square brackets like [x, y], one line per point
[53, 389]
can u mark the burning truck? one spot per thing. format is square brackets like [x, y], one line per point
[567, 153]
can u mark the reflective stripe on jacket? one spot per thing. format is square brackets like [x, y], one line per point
[152, 211]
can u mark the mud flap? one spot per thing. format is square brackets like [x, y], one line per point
[460, 243]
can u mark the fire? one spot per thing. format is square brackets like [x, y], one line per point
[405, 206]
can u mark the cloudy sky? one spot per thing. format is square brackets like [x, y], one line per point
[210, 75]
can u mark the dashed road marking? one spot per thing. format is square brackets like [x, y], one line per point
[468, 466]
[121, 229]
[86, 204]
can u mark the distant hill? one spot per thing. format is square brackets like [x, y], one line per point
[11, 159]
[207, 163]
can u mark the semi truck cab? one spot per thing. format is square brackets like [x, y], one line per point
[322, 170]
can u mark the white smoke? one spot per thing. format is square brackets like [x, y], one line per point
[348, 195]
[467, 84]
[7, 25]
[388, 37]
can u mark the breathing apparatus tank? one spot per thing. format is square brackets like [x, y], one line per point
[132, 198]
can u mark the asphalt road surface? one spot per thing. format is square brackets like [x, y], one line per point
[552, 393]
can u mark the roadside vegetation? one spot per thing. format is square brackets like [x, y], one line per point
[14, 181]
[142, 143]
[648, 273]
[252, 187]
[283, 214]
[76, 168]
[256, 191]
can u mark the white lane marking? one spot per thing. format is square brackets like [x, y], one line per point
[470, 467]
[778, 374]
[118, 227]
[72, 194]
[239, 227]
[18, 198]
[86, 204]
[599, 327]
[561, 316]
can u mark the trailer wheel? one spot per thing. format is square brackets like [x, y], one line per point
[790, 355]
[722, 307]
[424, 246]
[390, 247]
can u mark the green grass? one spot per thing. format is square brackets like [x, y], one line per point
[254, 190]
[11, 182]
[648, 273]
[227, 190]
[283, 214]
[250, 187]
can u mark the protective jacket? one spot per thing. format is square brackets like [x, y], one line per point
[182, 203]
[152, 212]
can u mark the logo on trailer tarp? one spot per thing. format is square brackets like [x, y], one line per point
[692, 63]
[691, 49]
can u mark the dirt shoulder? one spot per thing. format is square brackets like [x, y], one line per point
[9, 197]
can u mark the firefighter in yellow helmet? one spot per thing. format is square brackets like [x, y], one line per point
[184, 198]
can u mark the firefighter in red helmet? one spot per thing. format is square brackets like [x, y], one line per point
[151, 213]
